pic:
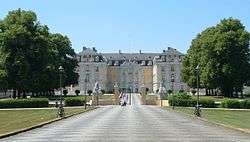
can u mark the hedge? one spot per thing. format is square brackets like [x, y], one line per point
[74, 101]
[184, 100]
[207, 103]
[245, 104]
[181, 99]
[230, 103]
[24, 103]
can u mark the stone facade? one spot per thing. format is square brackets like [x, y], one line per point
[131, 71]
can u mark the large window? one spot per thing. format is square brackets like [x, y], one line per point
[172, 68]
[87, 78]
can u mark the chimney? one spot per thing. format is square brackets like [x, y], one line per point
[140, 51]
[120, 52]
[93, 48]
[84, 48]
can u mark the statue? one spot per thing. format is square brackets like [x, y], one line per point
[96, 93]
[162, 91]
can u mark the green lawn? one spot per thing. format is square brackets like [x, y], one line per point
[233, 118]
[12, 120]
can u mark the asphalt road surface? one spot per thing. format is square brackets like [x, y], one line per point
[130, 123]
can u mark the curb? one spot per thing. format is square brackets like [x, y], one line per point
[41, 124]
[215, 123]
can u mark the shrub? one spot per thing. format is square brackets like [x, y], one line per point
[77, 92]
[208, 103]
[181, 99]
[181, 91]
[169, 91]
[230, 103]
[73, 101]
[245, 104]
[25, 103]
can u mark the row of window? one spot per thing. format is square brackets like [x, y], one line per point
[172, 68]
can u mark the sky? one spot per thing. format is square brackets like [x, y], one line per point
[131, 25]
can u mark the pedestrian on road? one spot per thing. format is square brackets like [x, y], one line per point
[121, 98]
[124, 99]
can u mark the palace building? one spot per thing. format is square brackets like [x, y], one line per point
[130, 71]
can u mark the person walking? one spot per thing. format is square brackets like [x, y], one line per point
[125, 99]
[121, 98]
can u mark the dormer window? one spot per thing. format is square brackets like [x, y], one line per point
[143, 63]
[116, 63]
[150, 63]
[97, 59]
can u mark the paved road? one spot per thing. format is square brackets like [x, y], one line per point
[130, 123]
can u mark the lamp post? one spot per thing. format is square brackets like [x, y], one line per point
[60, 109]
[197, 111]
[143, 94]
[130, 97]
[172, 80]
[85, 93]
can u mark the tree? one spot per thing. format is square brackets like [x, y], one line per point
[30, 55]
[77, 92]
[60, 48]
[222, 53]
[24, 46]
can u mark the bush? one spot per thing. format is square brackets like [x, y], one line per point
[181, 91]
[245, 104]
[230, 103]
[208, 103]
[181, 99]
[74, 101]
[169, 91]
[25, 103]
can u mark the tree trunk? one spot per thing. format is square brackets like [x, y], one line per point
[24, 94]
[206, 91]
[18, 94]
[32, 94]
[14, 94]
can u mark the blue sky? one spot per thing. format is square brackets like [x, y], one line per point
[131, 25]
